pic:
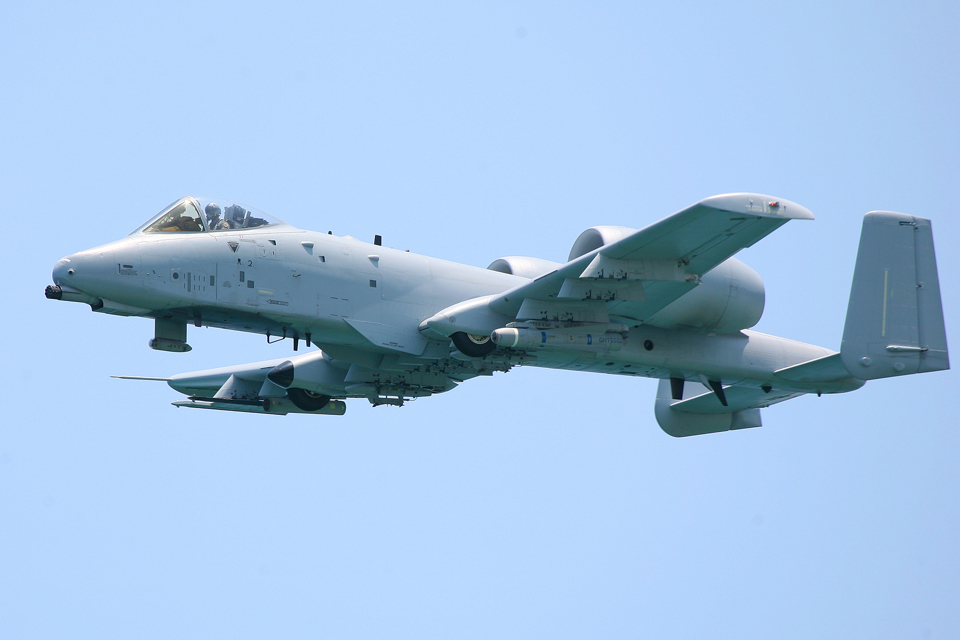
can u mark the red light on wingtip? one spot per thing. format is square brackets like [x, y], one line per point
[774, 205]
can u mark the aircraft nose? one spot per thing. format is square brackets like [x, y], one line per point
[63, 270]
[86, 271]
[70, 285]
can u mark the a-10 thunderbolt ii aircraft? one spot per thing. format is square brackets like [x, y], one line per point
[668, 301]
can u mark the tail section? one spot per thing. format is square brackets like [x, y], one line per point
[894, 320]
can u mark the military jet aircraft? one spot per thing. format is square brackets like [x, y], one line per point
[668, 301]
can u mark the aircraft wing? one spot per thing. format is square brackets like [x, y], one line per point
[647, 270]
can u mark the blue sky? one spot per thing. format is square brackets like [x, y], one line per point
[532, 504]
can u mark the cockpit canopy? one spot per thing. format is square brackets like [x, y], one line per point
[198, 215]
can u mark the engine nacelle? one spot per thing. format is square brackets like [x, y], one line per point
[596, 237]
[730, 297]
[524, 266]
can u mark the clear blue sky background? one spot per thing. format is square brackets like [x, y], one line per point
[533, 504]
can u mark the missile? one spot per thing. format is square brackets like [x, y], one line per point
[531, 339]
[274, 406]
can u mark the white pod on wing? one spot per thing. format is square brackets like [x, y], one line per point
[532, 339]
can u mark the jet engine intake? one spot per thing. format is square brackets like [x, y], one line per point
[596, 237]
[524, 266]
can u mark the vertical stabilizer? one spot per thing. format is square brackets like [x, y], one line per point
[894, 320]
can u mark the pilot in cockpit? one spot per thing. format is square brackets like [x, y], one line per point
[214, 221]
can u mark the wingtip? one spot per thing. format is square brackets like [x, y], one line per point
[758, 204]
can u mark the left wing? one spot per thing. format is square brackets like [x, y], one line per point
[317, 382]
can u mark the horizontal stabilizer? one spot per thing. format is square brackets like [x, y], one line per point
[680, 424]
[894, 322]
[825, 369]
[700, 411]
[738, 398]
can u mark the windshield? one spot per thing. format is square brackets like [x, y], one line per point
[181, 216]
[197, 215]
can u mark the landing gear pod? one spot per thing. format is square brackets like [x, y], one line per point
[472, 345]
[307, 400]
[170, 336]
[165, 344]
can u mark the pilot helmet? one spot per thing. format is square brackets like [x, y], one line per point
[213, 211]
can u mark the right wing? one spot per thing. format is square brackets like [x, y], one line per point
[641, 274]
